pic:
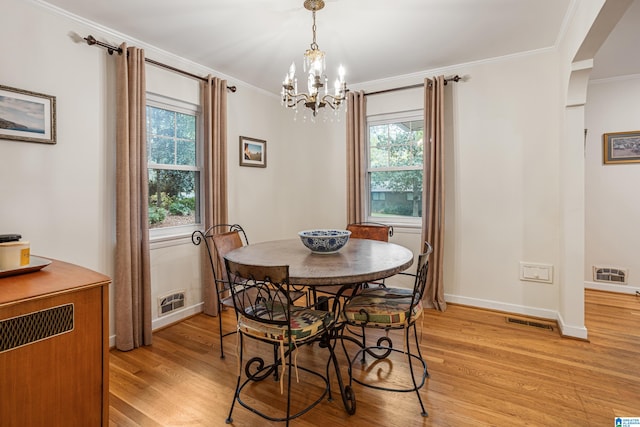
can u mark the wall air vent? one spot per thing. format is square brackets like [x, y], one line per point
[610, 275]
[169, 303]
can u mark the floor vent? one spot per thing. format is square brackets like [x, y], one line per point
[169, 303]
[610, 275]
[529, 323]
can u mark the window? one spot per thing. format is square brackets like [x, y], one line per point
[395, 162]
[173, 149]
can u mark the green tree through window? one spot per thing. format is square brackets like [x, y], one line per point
[396, 151]
[174, 174]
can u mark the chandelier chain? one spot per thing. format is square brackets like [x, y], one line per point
[314, 45]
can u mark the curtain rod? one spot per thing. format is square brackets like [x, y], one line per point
[92, 41]
[455, 78]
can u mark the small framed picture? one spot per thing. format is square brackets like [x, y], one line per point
[621, 147]
[253, 152]
[27, 116]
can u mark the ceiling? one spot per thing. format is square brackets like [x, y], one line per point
[255, 41]
[619, 55]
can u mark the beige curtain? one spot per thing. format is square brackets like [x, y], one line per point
[356, 167]
[433, 187]
[214, 194]
[132, 276]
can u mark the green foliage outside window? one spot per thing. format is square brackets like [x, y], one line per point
[173, 173]
[396, 153]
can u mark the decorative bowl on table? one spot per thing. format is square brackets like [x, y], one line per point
[324, 241]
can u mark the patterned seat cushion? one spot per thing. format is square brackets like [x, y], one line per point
[305, 323]
[384, 307]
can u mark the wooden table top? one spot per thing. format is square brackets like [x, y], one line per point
[360, 260]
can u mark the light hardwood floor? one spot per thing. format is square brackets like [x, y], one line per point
[484, 371]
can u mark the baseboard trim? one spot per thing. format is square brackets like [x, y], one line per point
[612, 287]
[579, 332]
[501, 306]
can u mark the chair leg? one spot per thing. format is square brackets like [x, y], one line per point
[229, 420]
[415, 334]
[364, 344]
[424, 413]
[289, 363]
[221, 335]
[276, 375]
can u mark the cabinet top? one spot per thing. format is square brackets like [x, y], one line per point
[57, 277]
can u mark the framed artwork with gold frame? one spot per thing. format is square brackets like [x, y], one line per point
[621, 147]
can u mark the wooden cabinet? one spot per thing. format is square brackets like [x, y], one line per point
[54, 348]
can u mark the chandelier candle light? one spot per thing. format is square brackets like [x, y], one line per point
[314, 64]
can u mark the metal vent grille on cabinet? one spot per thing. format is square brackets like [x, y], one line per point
[37, 326]
[610, 275]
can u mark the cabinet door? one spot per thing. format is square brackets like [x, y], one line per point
[56, 380]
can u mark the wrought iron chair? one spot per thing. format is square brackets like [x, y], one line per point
[361, 230]
[219, 240]
[370, 230]
[265, 313]
[217, 269]
[389, 309]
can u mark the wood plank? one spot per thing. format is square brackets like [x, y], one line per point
[484, 371]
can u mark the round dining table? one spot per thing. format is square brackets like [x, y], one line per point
[359, 261]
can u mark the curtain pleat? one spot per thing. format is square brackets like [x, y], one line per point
[434, 189]
[132, 282]
[356, 167]
[214, 194]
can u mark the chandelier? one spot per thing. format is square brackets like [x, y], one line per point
[314, 65]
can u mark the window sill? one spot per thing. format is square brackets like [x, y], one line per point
[174, 237]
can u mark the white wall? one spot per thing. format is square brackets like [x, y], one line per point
[61, 197]
[502, 179]
[612, 205]
[58, 196]
[502, 192]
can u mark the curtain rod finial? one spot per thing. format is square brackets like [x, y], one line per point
[91, 40]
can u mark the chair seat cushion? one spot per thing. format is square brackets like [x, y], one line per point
[305, 323]
[382, 307]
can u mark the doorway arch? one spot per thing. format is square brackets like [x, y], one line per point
[572, 173]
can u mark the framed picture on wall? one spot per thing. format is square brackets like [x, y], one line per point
[621, 147]
[253, 152]
[27, 116]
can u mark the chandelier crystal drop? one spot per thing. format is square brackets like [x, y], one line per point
[314, 64]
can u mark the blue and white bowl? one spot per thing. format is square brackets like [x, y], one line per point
[324, 241]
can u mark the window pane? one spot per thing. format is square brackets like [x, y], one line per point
[186, 153]
[171, 137]
[396, 144]
[397, 193]
[186, 126]
[173, 198]
[160, 122]
[160, 150]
